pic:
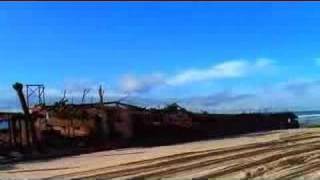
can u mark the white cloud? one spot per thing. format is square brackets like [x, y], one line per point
[301, 87]
[217, 99]
[78, 85]
[133, 84]
[228, 69]
[264, 62]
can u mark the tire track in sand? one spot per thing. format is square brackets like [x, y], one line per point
[191, 160]
[231, 166]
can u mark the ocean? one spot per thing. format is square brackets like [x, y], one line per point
[308, 118]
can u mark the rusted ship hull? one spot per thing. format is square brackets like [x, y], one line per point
[93, 127]
[204, 126]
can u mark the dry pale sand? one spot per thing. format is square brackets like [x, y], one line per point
[284, 154]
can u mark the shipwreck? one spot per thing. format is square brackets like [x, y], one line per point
[66, 128]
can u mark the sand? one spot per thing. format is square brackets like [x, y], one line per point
[282, 154]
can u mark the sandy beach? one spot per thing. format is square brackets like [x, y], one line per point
[282, 154]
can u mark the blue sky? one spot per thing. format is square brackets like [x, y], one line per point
[218, 56]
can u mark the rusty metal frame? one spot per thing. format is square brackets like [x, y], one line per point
[35, 89]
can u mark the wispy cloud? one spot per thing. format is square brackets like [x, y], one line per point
[293, 95]
[301, 87]
[74, 90]
[218, 98]
[133, 84]
[228, 69]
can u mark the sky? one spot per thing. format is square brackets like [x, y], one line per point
[213, 56]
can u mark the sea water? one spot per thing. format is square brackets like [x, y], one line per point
[307, 118]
